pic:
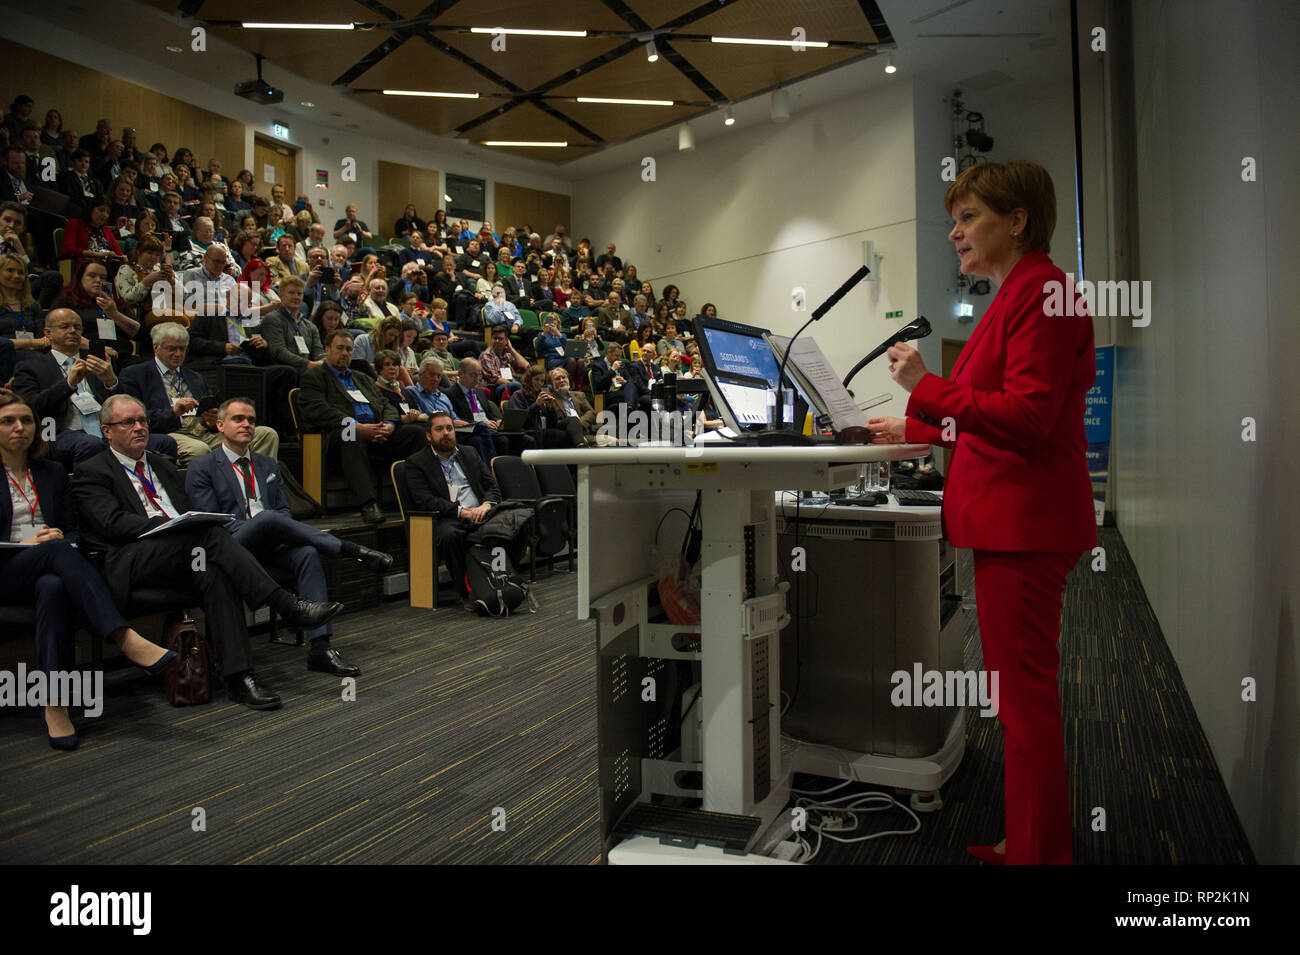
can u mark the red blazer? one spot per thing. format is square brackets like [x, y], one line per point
[76, 237]
[1018, 477]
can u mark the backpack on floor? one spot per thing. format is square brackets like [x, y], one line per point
[495, 593]
[301, 504]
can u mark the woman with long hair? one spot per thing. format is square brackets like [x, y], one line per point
[254, 287]
[146, 224]
[1018, 493]
[88, 238]
[384, 334]
[103, 324]
[186, 186]
[235, 203]
[159, 152]
[143, 271]
[37, 511]
[52, 131]
[22, 320]
[409, 222]
[327, 317]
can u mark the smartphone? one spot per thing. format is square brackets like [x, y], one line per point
[97, 346]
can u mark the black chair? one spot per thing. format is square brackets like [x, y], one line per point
[422, 586]
[556, 480]
[548, 532]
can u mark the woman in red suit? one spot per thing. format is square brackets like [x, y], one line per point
[1018, 492]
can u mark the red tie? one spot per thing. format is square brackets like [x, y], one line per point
[149, 492]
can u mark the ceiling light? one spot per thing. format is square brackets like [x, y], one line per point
[731, 119]
[303, 102]
[890, 67]
[446, 198]
[174, 49]
[429, 93]
[780, 106]
[506, 142]
[751, 42]
[298, 26]
[651, 53]
[511, 32]
[625, 102]
[685, 138]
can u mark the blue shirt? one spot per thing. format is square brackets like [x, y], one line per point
[429, 403]
[361, 410]
[458, 486]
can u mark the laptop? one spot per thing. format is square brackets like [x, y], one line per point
[576, 348]
[513, 419]
[50, 202]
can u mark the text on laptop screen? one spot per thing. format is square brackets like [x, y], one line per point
[738, 354]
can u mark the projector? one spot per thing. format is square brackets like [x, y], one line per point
[259, 91]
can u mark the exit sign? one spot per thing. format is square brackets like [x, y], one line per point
[897, 314]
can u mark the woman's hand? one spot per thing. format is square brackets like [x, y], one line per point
[887, 430]
[45, 534]
[905, 365]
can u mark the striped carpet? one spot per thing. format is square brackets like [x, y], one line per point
[456, 716]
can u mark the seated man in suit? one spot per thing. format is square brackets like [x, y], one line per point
[125, 491]
[359, 421]
[284, 263]
[292, 338]
[605, 375]
[170, 221]
[641, 376]
[172, 392]
[246, 485]
[457, 486]
[547, 418]
[574, 404]
[68, 388]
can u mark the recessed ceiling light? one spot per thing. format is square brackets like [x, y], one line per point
[625, 102]
[507, 142]
[297, 26]
[429, 93]
[651, 52]
[731, 118]
[303, 102]
[752, 42]
[175, 49]
[514, 32]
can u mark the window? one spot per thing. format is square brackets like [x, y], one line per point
[467, 198]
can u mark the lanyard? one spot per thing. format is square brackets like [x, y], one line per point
[237, 327]
[34, 501]
[154, 499]
[249, 480]
[448, 468]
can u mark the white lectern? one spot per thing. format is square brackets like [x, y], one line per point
[623, 493]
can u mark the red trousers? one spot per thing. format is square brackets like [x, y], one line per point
[1018, 595]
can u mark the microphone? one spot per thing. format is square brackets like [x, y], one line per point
[910, 332]
[777, 433]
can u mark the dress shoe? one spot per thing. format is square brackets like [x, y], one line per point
[988, 854]
[309, 614]
[60, 742]
[468, 605]
[372, 513]
[331, 662]
[245, 689]
[371, 559]
[162, 663]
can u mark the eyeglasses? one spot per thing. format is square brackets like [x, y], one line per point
[128, 423]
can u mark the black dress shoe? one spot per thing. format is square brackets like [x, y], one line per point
[372, 513]
[245, 689]
[331, 662]
[372, 559]
[309, 614]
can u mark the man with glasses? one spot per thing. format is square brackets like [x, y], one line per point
[68, 387]
[173, 394]
[126, 491]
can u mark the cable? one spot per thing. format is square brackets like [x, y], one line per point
[665, 517]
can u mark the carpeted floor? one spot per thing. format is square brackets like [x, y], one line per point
[456, 716]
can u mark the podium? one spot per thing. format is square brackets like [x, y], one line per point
[741, 771]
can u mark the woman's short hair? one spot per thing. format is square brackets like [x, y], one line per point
[147, 244]
[389, 355]
[38, 448]
[1007, 186]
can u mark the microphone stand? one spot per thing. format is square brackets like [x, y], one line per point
[777, 433]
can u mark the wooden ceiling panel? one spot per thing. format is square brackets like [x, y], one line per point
[320, 57]
[633, 77]
[616, 123]
[284, 11]
[531, 15]
[775, 19]
[658, 12]
[529, 61]
[738, 73]
[526, 122]
[439, 116]
[415, 65]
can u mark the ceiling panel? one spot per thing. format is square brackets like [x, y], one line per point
[738, 73]
[658, 12]
[775, 19]
[528, 62]
[633, 77]
[304, 52]
[531, 15]
[616, 123]
[283, 11]
[415, 65]
[439, 116]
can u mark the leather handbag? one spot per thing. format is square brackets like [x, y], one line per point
[186, 682]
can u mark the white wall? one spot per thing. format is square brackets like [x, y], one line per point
[1212, 520]
[379, 138]
[746, 217]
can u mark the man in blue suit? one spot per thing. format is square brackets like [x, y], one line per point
[172, 392]
[235, 480]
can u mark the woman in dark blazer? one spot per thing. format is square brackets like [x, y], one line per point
[1018, 491]
[36, 510]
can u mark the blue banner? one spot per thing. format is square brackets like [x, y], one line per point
[1096, 414]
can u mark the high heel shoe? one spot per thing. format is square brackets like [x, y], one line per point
[153, 669]
[988, 854]
[60, 742]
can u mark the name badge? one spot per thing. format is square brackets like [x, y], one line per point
[406, 409]
[618, 323]
[507, 374]
[480, 416]
[419, 262]
[459, 250]
[106, 328]
[475, 263]
[24, 336]
[302, 344]
[255, 507]
[356, 395]
[85, 403]
[573, 412]
[153, 187]
[453, 491]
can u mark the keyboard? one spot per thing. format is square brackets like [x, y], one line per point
[918, 498]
